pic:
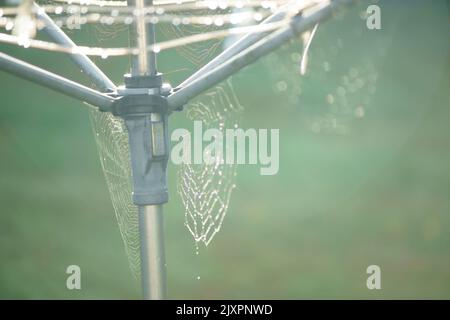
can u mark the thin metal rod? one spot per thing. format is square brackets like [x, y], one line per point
[81, 60]
[239, 45]
[53, 81]
[252, 54]
[151, 39]
[153, 263]
[142, 35]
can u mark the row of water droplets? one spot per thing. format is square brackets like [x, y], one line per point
[22, 22]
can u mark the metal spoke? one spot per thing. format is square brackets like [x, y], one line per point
[55, 82]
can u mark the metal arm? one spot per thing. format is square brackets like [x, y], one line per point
[240, 44]
[50, 80]
[81, 60]
[252, 54]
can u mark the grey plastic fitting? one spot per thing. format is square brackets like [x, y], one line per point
[145, 113]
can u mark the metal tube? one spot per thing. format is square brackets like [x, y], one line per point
[142, 35]
[252, 54]
[151, 224]
[53, 81]
[153, 264]
[151, 39]
[241, 44]
[81, 60]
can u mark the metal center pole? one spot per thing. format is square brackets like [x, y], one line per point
[151, 223]
[153, 263]
[142, 36]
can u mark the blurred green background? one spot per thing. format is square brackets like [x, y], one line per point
[362, 181]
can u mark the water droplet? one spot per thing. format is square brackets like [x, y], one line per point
[9, 25]
[156, 49]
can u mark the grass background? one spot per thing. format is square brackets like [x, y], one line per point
[377, 193]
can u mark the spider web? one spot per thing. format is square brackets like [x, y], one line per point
[206, 189]
[112, 144]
